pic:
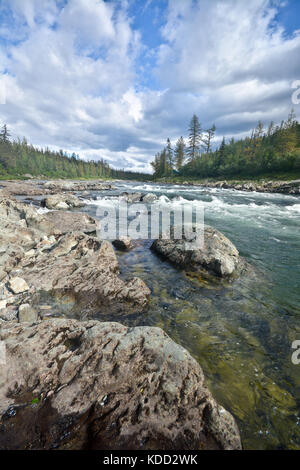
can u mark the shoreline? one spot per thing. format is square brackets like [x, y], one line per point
[291, 187]
[282, 187]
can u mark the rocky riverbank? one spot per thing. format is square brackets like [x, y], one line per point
[40, 188]
[91, 384]
[283, 187]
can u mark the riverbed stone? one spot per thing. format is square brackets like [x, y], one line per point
[92, 385]
[131, 197]
[59, 223]
[123, 243]
[51, 252]
[18, 285]
[61, 201]
[149, 198]
[88, 268]
[27, 314]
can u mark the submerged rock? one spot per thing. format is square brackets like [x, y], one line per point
[218, 256]
[90, 385]
[27, 314]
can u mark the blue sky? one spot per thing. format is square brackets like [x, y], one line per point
[114, 79]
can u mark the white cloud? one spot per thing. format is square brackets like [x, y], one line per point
[71, 74]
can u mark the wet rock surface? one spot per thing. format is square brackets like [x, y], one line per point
[92, 385]
[216, 256]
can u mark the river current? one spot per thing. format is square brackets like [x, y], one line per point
[241, 332]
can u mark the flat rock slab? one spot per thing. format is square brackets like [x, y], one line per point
[60, 223]
[88, 269]
[51, 253]
[91, 385]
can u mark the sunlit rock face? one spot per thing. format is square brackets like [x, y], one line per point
[92, 385]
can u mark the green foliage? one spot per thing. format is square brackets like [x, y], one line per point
[179, 153]
[195, 138]
[18, 158]
[162, 165]
[274, 150]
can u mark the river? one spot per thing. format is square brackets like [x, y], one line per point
[241, 332]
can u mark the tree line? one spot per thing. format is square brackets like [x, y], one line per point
[18, 158]
[272, 149]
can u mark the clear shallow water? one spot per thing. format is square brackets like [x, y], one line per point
[240, 332]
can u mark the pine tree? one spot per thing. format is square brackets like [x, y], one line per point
[271, 129]
[179, 153]
[210, 133]
[221, 153]
[4, 134]
[195, 136]
[170, 156]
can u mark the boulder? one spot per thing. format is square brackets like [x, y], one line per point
[123, 243]
[131, 197]
[18, 285]
[61, 202]
[90, 385]
[149, 198]
[59, 186]
[27, 314]
[218, 256]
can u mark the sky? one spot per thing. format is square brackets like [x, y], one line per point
[114, 79]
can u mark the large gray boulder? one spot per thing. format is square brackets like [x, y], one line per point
[218, 256]
[89, 385]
